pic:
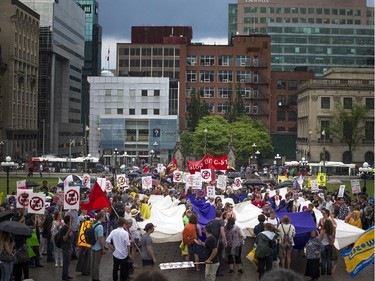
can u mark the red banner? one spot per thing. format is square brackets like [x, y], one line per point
[208, 162]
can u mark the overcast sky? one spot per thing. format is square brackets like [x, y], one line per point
[209, 19]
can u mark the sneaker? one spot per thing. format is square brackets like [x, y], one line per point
[240, 271]
[231, 271]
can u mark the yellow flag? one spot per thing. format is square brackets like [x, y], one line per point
[81, 236]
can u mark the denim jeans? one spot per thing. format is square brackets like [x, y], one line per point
[6, 271]
[326, 265]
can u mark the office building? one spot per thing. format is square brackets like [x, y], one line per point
[61, 59]
[317, 100]
[317, 34]
[19, 43]
[93, 49]
[130, 119]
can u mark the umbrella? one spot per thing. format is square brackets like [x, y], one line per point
[73, 178]
[123, 166]
[254, 182]
[81, 187]
[32, 184]
[16, 228]
[6, 215]
[284, 184]
[233, 175]
[134, 174]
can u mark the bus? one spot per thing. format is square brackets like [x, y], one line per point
[54, 164]
[333, 168]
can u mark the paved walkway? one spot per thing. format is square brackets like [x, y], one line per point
[169, 252]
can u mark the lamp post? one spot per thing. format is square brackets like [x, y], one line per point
[115, 153]
[324, 150]
[125, 158]
[365, 171]
[152, 153]
[87, 160]
[205, 140]
[155, 144]
[100, 139]
[277, 159]
[87, 129]
[7, 165]
[254, 154]
[71, 142]
[303, 164]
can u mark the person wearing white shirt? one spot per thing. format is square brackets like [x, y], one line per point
[118, 240]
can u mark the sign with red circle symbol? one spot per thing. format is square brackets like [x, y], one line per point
[37, 203]
[177, 176]
[146, 182]
[86, 181]
[206, 175]
[23, 196]
[108, 186]
[237, 183]
[71, 197]
[121, 180]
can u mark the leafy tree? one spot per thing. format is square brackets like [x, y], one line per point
[196, 110]
[186, 138]
[348, 125]
[235, 107]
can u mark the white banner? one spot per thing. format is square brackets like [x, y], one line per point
[23, 197]
[21, 184]
[146, 182]
[237, 183]
[103, 183]
[314, 186]
[206, 175]
[197, 181]
[71, 198]
[188, 179]
[222, 182]
[37, 203]
[121, 180]
[356, 187]
[341, 191]
[178, 176]
[210, 191]
[86, 180]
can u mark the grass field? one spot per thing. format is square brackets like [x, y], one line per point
[52, 181]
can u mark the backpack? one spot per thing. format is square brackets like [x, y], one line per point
[90, 234]
[286, 241]
[58, 239]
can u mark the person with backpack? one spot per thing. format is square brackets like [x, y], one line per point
[98, 248]
[264, 243]
[217, 225]
[66, 234]
[287, 232]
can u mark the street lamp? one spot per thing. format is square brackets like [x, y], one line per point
[155, 144]
[324, 150]
[303, 164]
[87, 129]
[7, 165]
[152, 153]
[87, 160]
[100, 139]
[71, 142]
[125, 158]
[365, 171]
[254, 153]
[277, 159]
[205, 140]
[115, 153]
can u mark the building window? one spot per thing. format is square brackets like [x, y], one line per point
[348, 102]
[369, 103]
[120, 111]
[292, 116]
[243, 77]
[324, 125]
[225, 76]
[243, 61]
[325, 102]
[292, 100]
[224, 92]
[120, 92]
[191, 76]
[108, 92]
[207, 60]
[247, 108]
[292, 84]
[191, 60]
[221, 107]
[144, 111]
[280, 129]
[207, 92]
[144, 93]
[369, 130]
[255, 109]
[225, 60]
[156, 93]
[132, 92]
[207, 76]
[211, 107]
[107, 111]
[281, 84]
[156, 111]
[281, 100]
[131, 111]
[245, 92]
[281, 116]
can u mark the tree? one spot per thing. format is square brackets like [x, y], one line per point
[244, 131]
[196, 110]
[235, 107]
[348, 125]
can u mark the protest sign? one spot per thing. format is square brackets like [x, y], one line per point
[197, 181]
[86, 180]
[146, 182]
[177, 176]
[237, 183]
[23, 197]
[314, 186]
[356, 187]
[341, 191]
[210, 191]
[222, 182]
[206, 175]
[37, 203]
[71, 198]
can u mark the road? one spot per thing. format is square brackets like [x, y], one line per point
[169, 252]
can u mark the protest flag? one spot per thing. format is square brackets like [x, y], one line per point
[97, 199]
